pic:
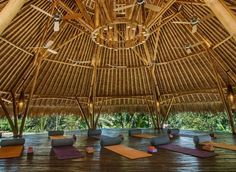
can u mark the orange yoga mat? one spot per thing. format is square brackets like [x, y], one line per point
[57, 137]
[146, 136]
[221, 145]
[11, 151]
[128, 152]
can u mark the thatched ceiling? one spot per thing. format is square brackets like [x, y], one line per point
[189, 78]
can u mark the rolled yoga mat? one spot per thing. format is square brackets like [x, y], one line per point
[108, 141]
[174, 132]
[62, 142]
[200, 139]
[55, 133]
[94, 133]
[160, 140]
[134, 132]
[12, 142]
[128, 152]
[188, 151]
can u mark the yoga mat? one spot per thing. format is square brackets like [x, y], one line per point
[67, 152]
[221, 145]
[188, 151]
[57, 137]
[128, 152]
[146, 136]
[11, 151]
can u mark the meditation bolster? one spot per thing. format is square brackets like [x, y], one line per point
[13, 142]
[199, 139]
[134, 131]
[62, 142]
[173, 131]
[94, 132]
[108, 141]
[55, 133]
[160, 140]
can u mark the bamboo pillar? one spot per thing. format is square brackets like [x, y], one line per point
[9, 12]
[8, 117]
[224, 101]
[224, 15]
[167, 112]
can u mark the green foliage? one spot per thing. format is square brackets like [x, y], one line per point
[192, 121]
[200, 121]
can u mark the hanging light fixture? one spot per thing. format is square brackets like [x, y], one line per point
[21, 100]
[230, 93]
[158, 104]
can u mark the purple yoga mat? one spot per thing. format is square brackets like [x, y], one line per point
[67, 152]
[188, 151]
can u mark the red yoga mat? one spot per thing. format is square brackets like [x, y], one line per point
[67, 152]
[188, 151]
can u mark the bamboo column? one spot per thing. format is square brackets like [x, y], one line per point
[167, 112]
[224, 14]
[8, 117]
[9, 12]
[224, 101]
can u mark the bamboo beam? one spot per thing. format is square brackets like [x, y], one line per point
[159, 14]
[155, 89]
[37, 63]
[17, 47]
[81, 110]
[8, 117]
[9, 12]
[99, 113]
[152, 117]
[224, 14]
[14, 111]
[224, 101]
[77, 16]
[167, 112]
[84, 12]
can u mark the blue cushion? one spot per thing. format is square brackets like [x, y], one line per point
[55, 133]
[134, 131]
[174, 132]
[62, 142]
[109, 141]
[12, 142]
[160, 140]
[199, 139]
[94, 132]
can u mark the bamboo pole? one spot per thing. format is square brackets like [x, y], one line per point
[167, 112]
[8, 117]
[222, 96]
[81, 110]
[14, 111]
[224, 14]
[37, 62]
[9, 12]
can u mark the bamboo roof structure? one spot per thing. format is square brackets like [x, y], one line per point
[110, 79]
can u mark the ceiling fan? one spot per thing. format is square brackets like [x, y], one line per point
[78, 61]
[47, 47]
[194, 21]
[139, 2]
[117, 67]
[56, 17]
[188, 47]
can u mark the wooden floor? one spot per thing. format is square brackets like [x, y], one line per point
[105, 160]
